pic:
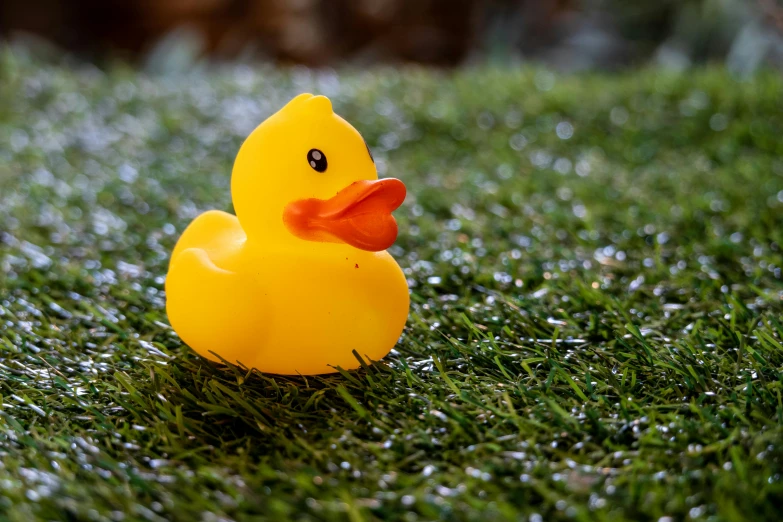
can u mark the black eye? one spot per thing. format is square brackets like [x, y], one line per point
[317, 160]
[369, 152]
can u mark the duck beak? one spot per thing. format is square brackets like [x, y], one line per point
[360, 215]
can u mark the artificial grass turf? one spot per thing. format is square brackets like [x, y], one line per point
[595, 330]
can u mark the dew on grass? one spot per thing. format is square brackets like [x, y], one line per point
[540, 159]
[519, 141]
[618, 115]
[564, 130]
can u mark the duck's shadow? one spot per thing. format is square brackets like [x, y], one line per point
[223, 406]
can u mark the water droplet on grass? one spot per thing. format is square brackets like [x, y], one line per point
[564, 130]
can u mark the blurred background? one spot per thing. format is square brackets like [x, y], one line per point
[565, 34]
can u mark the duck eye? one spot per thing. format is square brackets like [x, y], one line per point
[369, 151]
[317, 160]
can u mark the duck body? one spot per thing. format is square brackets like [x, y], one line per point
[293, 294]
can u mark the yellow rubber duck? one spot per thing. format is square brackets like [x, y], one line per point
[300, 277]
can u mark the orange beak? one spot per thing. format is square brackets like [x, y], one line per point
[360, 215]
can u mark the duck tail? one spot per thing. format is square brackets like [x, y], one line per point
[214, 310]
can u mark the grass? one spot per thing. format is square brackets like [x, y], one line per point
[595, 330]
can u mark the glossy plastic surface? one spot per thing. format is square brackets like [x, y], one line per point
[299, 278]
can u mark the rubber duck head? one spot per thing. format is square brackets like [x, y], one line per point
[305, 174]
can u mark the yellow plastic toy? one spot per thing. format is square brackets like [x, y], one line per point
[300, 277]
